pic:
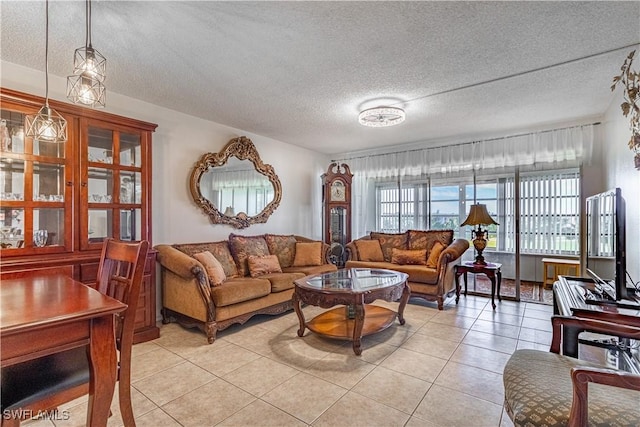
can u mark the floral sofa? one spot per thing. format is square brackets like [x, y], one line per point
[428, 257]
[216, 284]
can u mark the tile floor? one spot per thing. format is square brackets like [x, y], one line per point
[439, 369]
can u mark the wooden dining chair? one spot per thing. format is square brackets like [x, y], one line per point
[33, 387]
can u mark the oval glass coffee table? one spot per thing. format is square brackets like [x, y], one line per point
[356, 289]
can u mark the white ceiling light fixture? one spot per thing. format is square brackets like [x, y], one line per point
[85, 86]
[381, 117]
[47, 125]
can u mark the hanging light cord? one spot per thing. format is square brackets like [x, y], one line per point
[46, 56]
[87, 41]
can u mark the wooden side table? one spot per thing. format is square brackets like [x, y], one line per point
[561, 267]
[491, 270]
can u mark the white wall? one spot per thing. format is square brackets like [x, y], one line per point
[619, 171]
[179, 141]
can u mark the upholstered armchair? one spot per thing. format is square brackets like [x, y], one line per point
[549, 389]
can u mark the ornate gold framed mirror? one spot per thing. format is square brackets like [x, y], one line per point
[234, 186]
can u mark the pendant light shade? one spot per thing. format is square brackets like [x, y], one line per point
[86, 90]
[47, 125]
[87, 60]
[86, 86]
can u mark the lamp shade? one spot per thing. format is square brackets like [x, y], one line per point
[478, 215]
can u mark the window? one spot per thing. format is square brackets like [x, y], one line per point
[549, 213]
[549, 209]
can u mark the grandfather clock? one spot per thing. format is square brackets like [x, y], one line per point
[336, 218]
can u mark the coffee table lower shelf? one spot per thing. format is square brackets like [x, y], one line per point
[335, 323]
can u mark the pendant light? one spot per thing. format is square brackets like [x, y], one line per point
[47, 125]
[89, 71]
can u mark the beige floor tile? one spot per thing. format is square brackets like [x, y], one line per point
[208, 405]
[153, 362]
[538, 314]
[222, 360]
[259, 413]
[422, 366]
[173, 382]
[498, 317]
[417, 422]
[508, 307]
[540, 324]
[539, 307]
[445, 332]
[372, 351]
[255, 338]
[490, 360]
[344, 370]
[355, 410]
[395, 389]
[453, 319]
[156, 418]
[470, 300]
[302, 352]
[466, 410]
[260, 376]
[139, 402]
[536, 336]
[430, 345]
[37, 422]
[184, 342]
[490, 341]
[466, 311]
[394, 335]
[501, 329]
[294, 396]
[505, 421]
[477, 382]
[531, 345]
[145, 347]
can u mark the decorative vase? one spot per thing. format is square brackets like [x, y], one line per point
[40, 238]
[636, 160]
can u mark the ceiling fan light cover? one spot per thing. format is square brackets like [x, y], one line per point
[86, 90]
[88, 61]
[381, 117]
[47, 125]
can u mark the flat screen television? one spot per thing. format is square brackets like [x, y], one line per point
[606, 249]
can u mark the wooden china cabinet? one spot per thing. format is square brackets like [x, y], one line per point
[58, 202]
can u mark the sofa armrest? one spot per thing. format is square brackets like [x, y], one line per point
[178, 262]
[352, 251]
[190, 273]
[454, 251]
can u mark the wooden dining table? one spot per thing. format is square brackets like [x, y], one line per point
[43, 315]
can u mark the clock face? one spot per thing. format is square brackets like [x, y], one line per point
[338, 193]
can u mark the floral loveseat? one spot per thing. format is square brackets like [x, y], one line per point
[214, 285]
[428, 257]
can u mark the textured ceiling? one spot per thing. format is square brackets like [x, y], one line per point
[300, 72]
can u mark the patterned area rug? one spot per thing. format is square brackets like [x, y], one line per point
[529, 291]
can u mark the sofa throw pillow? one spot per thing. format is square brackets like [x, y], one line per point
[284, 247]
[369, 250]
[425, 239]
[436, 250]
[308, 254]
[243, 246]
[409, 256]
[388, 241]
[212, 267]
[261, 265]
[220, 250]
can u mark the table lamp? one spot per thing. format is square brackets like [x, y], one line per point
[479, 216]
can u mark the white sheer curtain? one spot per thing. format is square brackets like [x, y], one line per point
[553, 149]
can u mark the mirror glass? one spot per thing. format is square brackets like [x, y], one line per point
[234, 186]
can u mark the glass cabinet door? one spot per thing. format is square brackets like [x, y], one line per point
[35, 190]
[112, 191]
